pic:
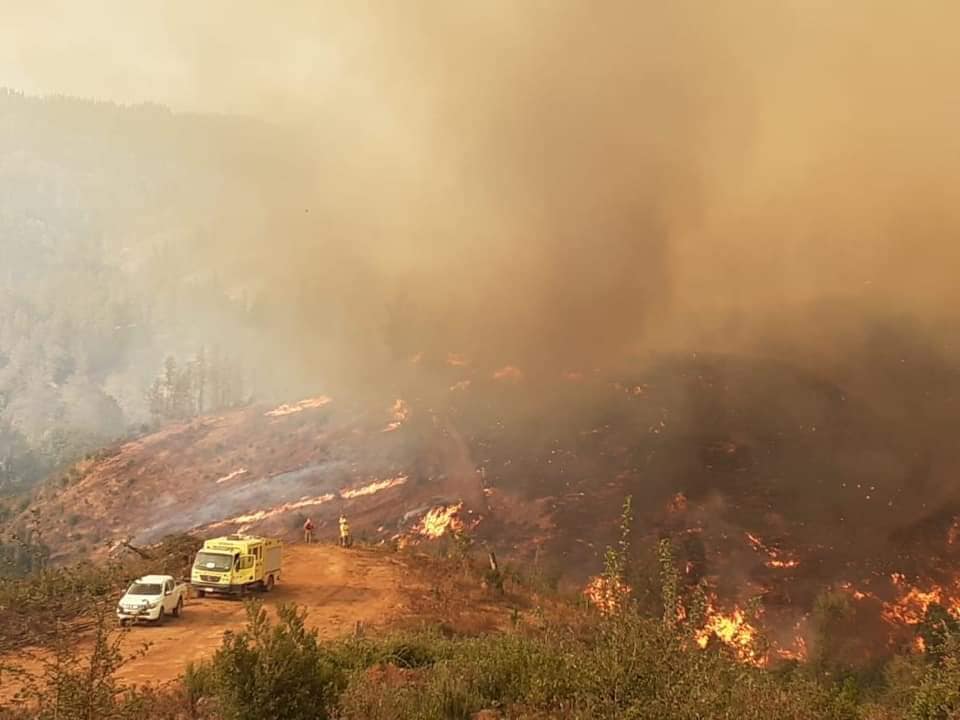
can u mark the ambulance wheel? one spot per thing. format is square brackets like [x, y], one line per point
[269, 586]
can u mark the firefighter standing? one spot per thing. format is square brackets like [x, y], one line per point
[344, 532]
[308, 531]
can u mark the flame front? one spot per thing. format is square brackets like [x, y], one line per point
[261, 515]
[911, 607]
[373, 487]
[308, 404]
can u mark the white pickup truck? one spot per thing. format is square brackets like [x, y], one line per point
[152, 598]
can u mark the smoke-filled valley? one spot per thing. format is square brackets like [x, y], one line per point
[490, 270]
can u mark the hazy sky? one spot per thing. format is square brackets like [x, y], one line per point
[533, 170]
[213, 55]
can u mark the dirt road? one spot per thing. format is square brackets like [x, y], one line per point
[337, 588]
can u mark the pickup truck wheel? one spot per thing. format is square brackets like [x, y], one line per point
[179, 608]
[160, 616]
[201, 593]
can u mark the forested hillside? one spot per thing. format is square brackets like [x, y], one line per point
[109, 320]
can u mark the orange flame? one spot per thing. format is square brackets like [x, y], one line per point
[261, 515]
[798, 652]
[400, 411]
[783, 564]
[232, 475]
[775, 557]
[911, 607]
[607, 594]
[439, 521]
[732, 629]
[308, 404]
[854, 593]
[373, 487]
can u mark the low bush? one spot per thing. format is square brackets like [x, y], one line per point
[270, 670]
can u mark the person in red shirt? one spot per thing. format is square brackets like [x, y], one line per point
[308, 531]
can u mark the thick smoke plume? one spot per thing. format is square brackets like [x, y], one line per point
[557, 184]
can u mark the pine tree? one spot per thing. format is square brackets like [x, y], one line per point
[200, 379]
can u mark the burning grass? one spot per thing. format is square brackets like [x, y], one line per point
[261, 515]
[912, 603]
[373, 488]
[400, 411]
[608, 594]
[307, 404]
[439, 521]
[734, 630]
[775, 558]
[232, 476]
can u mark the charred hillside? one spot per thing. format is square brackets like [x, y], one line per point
[771, 481]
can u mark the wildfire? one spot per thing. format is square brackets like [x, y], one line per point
[456, 360]
[953, 534]
[400, 411]
[775, 557]
[230, 476]
[462, 385]
[508, 373]
[912, 605]
[782, 564]
[260, 515]
[373, 487]
[607, 594]
[798, 652]
[732, 629]
[439, 521]
[854, 593]
[308, 404]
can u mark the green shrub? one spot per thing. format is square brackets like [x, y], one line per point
[272, 670]
[79, 685]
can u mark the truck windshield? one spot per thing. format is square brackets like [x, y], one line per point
[213, 561]
[144, 589]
